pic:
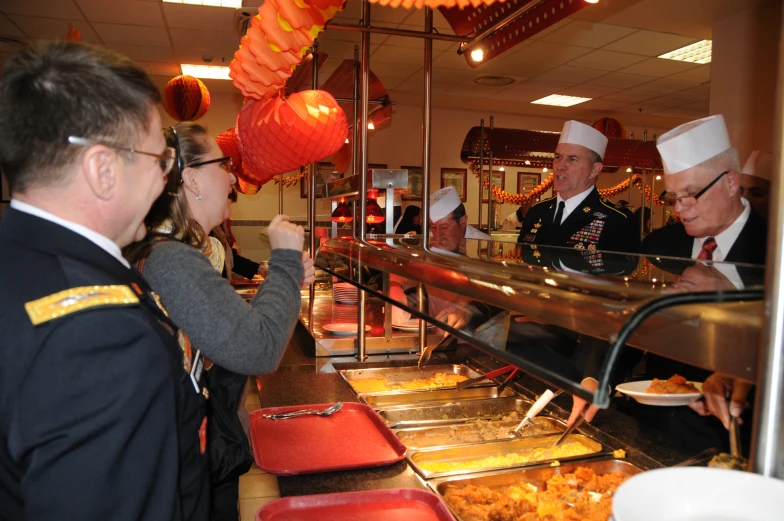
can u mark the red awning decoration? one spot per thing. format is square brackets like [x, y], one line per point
[473, 22]
[609, 127]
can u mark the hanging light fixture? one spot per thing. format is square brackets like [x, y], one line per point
[375, 214]
[342, 213]
[371, 126]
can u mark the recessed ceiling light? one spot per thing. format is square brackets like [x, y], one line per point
[699, 52]
[215, 3]
[494, 81]
[212, 72]
[559, 100]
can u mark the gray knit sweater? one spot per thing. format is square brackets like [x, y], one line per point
[243, 338]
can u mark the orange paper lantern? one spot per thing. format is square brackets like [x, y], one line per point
[244, 187]
[609, 127]
[280, 135]
[186, 98]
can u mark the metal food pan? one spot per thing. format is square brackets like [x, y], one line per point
[401, 375]
[451, 413]
[536, 476]
[478, 451]
[475, 432]
[408, 398]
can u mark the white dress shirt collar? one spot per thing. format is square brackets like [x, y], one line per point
[726, 239]
[572, 203]
[106, 244]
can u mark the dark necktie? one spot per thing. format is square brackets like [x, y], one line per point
[706, 253]
[558, 217]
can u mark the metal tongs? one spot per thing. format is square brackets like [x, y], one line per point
[465, 384]
[535, 409]
[332, 409]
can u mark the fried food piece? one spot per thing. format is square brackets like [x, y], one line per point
[728, 461]
[676, 384]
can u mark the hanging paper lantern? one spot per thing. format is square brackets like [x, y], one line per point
[280, 135]
[609, 127]
[247, 188]
[186, 98]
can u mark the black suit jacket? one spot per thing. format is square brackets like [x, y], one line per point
[98, 417]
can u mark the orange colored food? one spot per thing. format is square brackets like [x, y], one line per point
[676, 384]
[381, 384]
[580, 496]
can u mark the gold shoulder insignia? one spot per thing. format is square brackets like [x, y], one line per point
[72, 300]
[544, 201]
[612, 207]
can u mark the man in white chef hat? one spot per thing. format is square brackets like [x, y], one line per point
[578, 217]
[449, 223]
[702, 182]
[755, 181]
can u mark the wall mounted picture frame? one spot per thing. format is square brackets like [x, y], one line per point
[414, 183]
[527, 181]
[498, 180]
[456, 177]
[324, 174]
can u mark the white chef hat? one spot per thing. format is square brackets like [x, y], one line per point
[759, 164]
[382, 199]
[576, 133]
[693, 143]
[443, 202]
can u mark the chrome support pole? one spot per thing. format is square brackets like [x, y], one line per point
[426, 122]
[398, 32]
[767, 450]
[363, 165]
[653, 194]
[490, 181]
[481, 171]
[642, 202]
[313, 167]
[354, 125]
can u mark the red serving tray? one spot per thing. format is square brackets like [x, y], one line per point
[354, 437]
[406, 504]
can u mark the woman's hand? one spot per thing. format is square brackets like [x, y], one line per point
[309, 276]
[285, 235]
[715, 390]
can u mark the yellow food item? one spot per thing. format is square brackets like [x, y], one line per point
[562, 451]
[555, 463]
[381, 384]
[582, 495]
[676, 384]
[619, 454]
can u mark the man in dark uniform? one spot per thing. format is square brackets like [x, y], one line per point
[578, 218]
[702, 183]
[101, 409]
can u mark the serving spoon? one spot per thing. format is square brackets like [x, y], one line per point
[332, 409]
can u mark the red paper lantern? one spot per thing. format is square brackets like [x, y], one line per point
[186, 98]
[609, 127]
[280, 135]
[247, 188]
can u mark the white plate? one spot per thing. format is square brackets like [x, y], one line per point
[637, 391]
[411, 325]
[698, 494]
[343, 328]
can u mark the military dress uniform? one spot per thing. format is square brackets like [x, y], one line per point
[596, 225]
[101, 407]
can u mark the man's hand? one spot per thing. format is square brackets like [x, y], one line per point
[309, 275]
[578, 404]
[284, 235]
[715, 390]
[454, 316]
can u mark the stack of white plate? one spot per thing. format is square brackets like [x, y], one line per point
[344, 313]
[345, 293]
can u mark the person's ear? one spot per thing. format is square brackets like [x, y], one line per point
[99, 166]
[463, 222]
[733, 182]
[189, 179]
[596, 169]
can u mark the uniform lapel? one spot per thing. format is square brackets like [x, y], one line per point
[579, 218]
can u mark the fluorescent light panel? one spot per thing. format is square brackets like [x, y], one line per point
[212, 72]
[215, 3]
[559, 100]
[699, 52]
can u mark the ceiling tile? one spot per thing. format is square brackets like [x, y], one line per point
[452, 60]
[145, 53]
[698, 93]
[338, 35]
[7, 28]
[61, 9]
[387, 72]
[698, 105]
[188, 39]
[418, 43]
[131, 12]
[160, 69]
[220, 55]
[620, 80]
[551, 54]
[650, 43]
[203, 18]
[52, 28]
[659, 67]
[607, 60]
[681, 112]
[527, 92]
[553, 28]
[474, 91]
[568, 74]
[381, 13]
[699, 74]
[668, 101]
[664, 86]
[601, 104]
[132, 34]
[404, 55]
[415, 85]
[628, 96]
[589, 91]
[337, 51]
[588, 34]
[638, 108]
[455, 75]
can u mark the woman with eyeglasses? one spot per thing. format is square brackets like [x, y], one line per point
[183, 267]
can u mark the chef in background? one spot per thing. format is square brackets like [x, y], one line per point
[755, 181]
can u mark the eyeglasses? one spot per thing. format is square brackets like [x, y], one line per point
[180, 165]
[225, 163]
[165, 160]
[690, 199]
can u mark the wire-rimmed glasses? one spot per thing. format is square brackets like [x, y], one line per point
[165, 160]
[689, 199]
